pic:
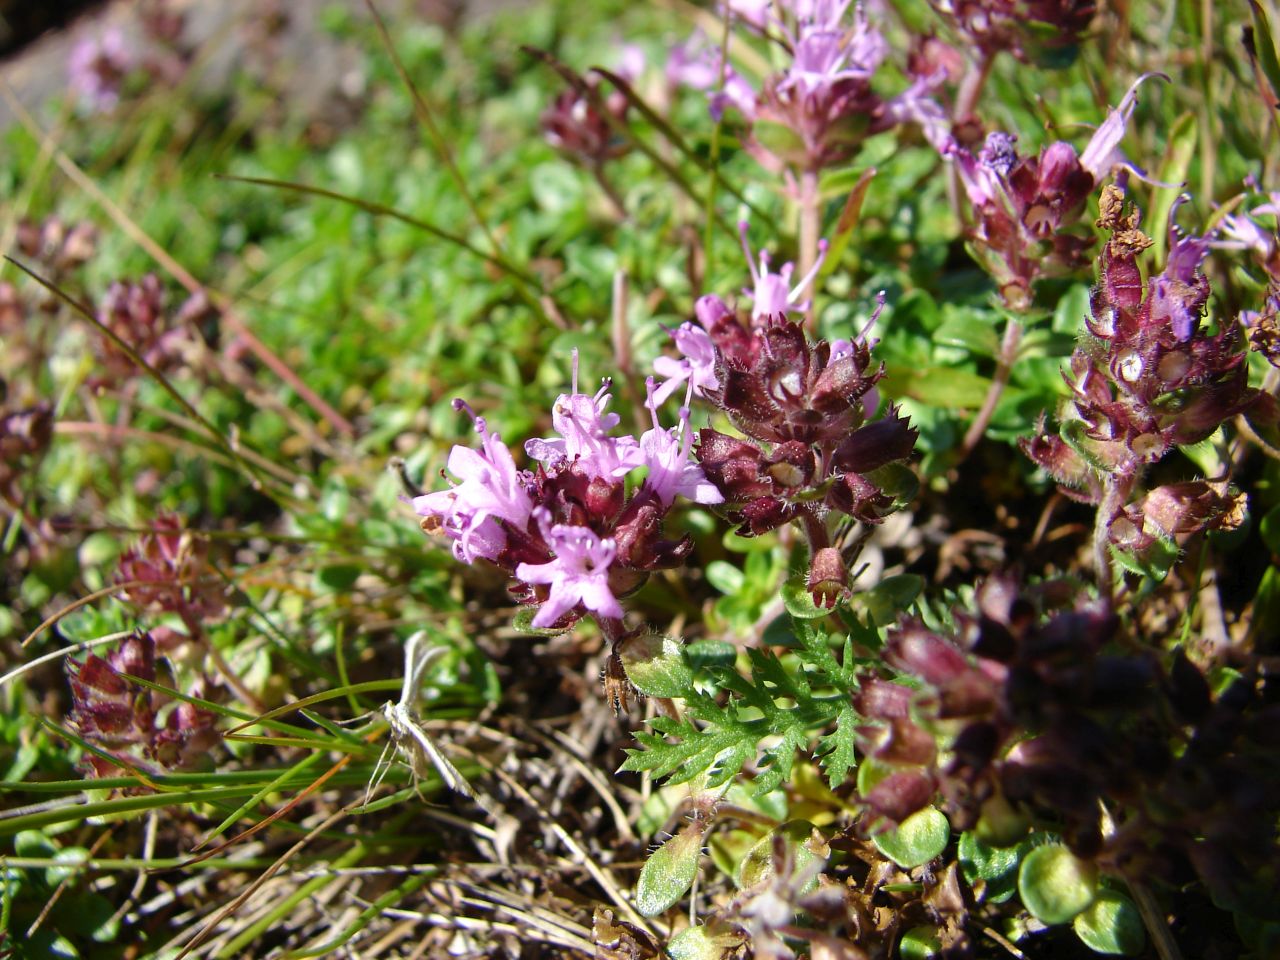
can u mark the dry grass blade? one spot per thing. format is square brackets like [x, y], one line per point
[307, 791]
[211, 925]
[178, 272]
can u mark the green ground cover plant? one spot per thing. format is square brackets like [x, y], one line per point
[786, 479]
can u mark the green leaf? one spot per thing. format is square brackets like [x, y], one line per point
[979, 861]
[919, 943]
[1270, 529]
[337, 577]
[898, 481]
[971, 329]
[1111, 925]
[758, 865]
[1173, 170]
[657, 667]
[711, 941]
[1055, 885]
[889, 598]
[725, 577]
[669, 872]
[799, 601]
[917, 839]
[837, 747]
[522, 622]
[1154, 563]
[934, 386]
[1072, 309]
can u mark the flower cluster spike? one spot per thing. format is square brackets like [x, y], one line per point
[122, 718]
[567, 529]
[817, 111]
[1027, 209]
[25, 435]
[1037, 31]
[97, 67]
[804, 410]
[1034, 707]
[1146, 378]
[168, 570]
[136, 313]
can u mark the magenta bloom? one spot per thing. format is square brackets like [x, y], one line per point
[666, 454]
[96, 68]
[773, 295]
[579, 574]
[490, 490]
[584, 440]
[697, 366]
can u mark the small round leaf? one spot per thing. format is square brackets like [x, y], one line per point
[669, 872]
[919, 943]
[1111, 925]
[799, 601]
[657, 668]
[980, 861]
[1055, 885]
[918, 839]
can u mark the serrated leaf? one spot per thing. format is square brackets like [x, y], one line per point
[837, 747]
[710, 654]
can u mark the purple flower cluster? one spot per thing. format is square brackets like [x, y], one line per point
[138, 315]
[566, 529]
[122, 718]
[1145, 379]
[816, 112]
[97, 67]
[1024, 207]
[1027, 29]
[809, 445]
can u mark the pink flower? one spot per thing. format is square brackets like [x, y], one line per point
[97, 66]
[771, 296]
[697, 366]
[666, 454]
[579, 574]
[490, 490]
[584, 439]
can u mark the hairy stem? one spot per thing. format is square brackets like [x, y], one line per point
[1115, 493]
[971, 87]
[810, 228]
[1004, 368]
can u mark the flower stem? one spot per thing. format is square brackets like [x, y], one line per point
[971, 87]
[1115, 493]
[810, 228]
[1004, 367]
